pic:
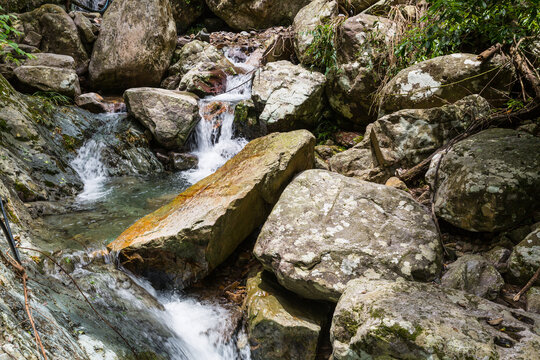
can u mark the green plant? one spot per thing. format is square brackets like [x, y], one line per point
[9, 48]
[50, 99]
[451, 26]
[322, 50]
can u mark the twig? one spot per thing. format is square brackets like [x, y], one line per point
[24, 276]
[85, 298]
[528, 285]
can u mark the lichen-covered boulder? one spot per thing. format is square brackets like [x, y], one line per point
[475, 275]
[281, 326]
[487, 182]
[288, 96]
[352, 85]
[46, 78]
[186, 12]
[446, 79]
[525, 259]
[134, 46]
[405, 138]
[327, 229]
[256, 14]
[306, 22]
[59, 33]
[408, 320]
[169, 115]
[186, 239]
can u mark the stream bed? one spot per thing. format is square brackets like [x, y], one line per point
[172, 324]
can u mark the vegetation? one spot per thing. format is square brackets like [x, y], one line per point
[450, 26]
[322, 50]
[9, 50]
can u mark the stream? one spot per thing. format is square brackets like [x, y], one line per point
[108, 205]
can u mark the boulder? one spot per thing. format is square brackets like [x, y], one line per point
[181, 161]
[186, 12]
[447, 79]
[327, 229]
[352, 85]
[59, 33]
[201, 67]
[46, 78]
[169, 115]
[475, 275]
[306, 22]
[256, 14]
[85, 27]
[525, 259]
[487, 182]
[281, 326]
[205, 79]
[288, 96]
[405, 138]
[135, 45]
[92, 102]
[407, 320]
[52, 60]
[186, 239]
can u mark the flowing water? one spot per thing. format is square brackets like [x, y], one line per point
[215, 142]
[108, 205]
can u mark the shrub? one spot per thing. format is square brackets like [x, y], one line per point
[451, 26]
[7, 46]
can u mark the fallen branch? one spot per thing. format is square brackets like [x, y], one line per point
[528, 285]
[24, 276]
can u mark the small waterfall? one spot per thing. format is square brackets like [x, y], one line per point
[88, 162]
[214, 136]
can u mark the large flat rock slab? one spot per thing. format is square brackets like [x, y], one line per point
[184, 240]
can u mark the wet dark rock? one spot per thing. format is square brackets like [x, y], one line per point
[183, 161]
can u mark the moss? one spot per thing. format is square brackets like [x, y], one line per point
[25, 191]
[70, 143]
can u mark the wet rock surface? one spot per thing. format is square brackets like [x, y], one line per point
[313, 245]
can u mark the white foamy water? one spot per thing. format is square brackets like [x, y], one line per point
[214, 140]
[89, 165]
[199, 328]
